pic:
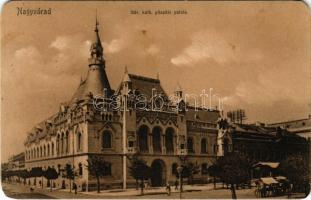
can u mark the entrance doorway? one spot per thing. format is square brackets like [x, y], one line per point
[158, 176]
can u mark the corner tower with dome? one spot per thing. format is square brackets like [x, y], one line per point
[163, 137]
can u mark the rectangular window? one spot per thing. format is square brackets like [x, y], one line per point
[107, 170]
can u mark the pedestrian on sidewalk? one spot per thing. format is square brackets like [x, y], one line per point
[168, 189]
[75, 187]
[176, 185]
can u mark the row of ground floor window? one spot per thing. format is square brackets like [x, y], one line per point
[163, 171]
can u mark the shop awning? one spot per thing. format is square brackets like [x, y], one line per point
[268, 164]
[280, 178]
[268, 180]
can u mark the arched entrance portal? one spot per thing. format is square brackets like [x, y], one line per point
[158, 176]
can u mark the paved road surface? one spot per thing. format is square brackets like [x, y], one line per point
[21, 192]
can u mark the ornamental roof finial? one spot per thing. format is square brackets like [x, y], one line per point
[96, 22]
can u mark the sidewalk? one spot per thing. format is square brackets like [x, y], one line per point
[148, 191]
[113, 193]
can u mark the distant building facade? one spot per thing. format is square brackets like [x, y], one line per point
[16, 162]
[163, 131]
[259, 143]
[300, 127]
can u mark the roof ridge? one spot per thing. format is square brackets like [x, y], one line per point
[145, 78]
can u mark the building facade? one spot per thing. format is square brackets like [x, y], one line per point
[138, 117]
[16, 162]
[259, 142]
[300, 127]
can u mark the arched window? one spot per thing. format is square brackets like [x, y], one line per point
[190, 145]
[156, 139]
[62, 144]
[203, 145]
[107, 139]
[44, 151]
[174, 168]
[79, 142]
[67, 142]
[40, 152]
[57, 144]
[226, 145]
[143, 138]
[48, 150]
[169, 140]
[58, 167]
[52, 147]
[204, 168]
[80, 169]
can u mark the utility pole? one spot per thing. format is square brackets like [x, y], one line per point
[124, 134]
[210, 98]
[73, 156]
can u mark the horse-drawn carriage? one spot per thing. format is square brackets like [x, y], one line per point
[272, 186]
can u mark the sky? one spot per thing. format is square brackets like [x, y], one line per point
[255, 55]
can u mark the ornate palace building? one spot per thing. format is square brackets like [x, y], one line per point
[137, 117]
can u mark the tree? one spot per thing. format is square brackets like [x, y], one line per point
[296, 169]
[50, 174]
[191, 170]
[69, 174]
[134, 160]
[98, 168]
[36, 172]
[233, 169]
[214, 171]
[139, 170]
[24, 174]
[188, 170]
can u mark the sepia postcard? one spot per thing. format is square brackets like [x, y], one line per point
[155, 99]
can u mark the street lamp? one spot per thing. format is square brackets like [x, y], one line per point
[179, 170]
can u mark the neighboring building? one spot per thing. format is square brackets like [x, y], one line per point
[300, 127]
[259, 142]
[162, 137]
[16, 162]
